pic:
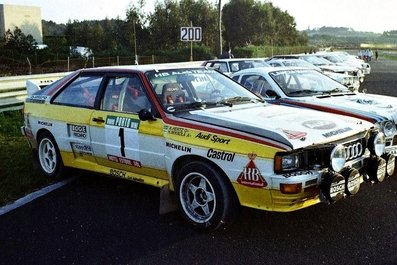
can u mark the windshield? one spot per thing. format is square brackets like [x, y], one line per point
[305, 82]
[182, 89]
[298, 63]
[316, 60]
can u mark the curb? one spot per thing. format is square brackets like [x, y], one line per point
[33, 196]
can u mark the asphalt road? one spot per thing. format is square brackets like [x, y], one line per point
[98, 220]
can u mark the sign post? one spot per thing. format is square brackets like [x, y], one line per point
[191, 34]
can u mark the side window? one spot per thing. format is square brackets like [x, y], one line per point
[80, 93]
[110, 101]
[125, 94]
[248, 80]
[221, 67]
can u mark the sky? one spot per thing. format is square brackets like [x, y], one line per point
[361, 15]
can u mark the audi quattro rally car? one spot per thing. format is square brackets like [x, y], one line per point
[203, 136]
[306, 88]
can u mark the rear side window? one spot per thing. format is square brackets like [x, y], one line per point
[125, 94]
[80, 93]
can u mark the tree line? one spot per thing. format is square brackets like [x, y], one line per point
[244, 23]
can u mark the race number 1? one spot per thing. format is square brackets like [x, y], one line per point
[191, 34]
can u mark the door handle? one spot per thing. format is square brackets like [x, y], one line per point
[98, 120]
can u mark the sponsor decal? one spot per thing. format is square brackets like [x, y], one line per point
[45, 123]
[298, 173]
[319, 124]
[374, 103]
[336, 132]
[79, 131]
[213, 138]
[176, 131]
[179, 147]
[221, 155]
[117, 173]
[124, 161]
[81, 149]
[337, 187]
[251, 176]
[124, 122]
[37, 99]
[295, 134]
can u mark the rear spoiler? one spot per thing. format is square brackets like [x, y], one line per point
[32, 87]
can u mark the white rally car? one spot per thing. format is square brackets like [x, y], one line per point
[199, 134]
[307, 88]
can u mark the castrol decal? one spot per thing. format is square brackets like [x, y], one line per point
[251, 176]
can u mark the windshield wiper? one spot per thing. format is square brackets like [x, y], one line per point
[335, 90]
[229, 101]
[304, 91]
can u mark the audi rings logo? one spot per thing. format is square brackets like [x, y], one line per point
[353, 150]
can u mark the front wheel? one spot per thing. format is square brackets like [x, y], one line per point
[48, 155]
[204, 197]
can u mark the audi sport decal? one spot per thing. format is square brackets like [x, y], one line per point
[125, 161]
[124, 122]
[213, 138]
[251, 176]
[319, 124]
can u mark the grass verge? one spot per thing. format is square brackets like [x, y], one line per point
[18, 176]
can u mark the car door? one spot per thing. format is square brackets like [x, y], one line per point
[120, 140]
[72, 109]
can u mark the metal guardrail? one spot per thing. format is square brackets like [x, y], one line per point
[13, 89]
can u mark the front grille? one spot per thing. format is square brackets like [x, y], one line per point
[354, 149]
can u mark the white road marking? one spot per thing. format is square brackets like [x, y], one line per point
[32, 196]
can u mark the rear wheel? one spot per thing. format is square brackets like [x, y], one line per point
[49, 158]
[204, 197]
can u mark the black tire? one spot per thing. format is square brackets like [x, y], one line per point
[48, 156]
[204, 197]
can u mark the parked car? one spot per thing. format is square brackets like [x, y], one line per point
[233, 65]
[343, 58]
[307, 88]
[196, 132]
[347, 80]
[327, 65]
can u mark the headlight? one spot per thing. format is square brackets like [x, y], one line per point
[338, 158]
[377, 144]
[389, 128]
[286, 162]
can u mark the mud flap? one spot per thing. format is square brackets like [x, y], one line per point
[167, 200]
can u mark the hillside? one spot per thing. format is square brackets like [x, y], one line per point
[348, 37]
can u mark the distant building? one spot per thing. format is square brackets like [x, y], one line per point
[27, 18]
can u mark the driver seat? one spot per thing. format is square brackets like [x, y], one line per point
[172, 93]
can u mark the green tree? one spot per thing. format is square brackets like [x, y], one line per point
[138, 35]
[165, 25]
[252, 22]
[18, 41]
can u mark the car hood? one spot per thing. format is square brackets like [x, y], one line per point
[338, 68]
[359, 103]
[293, 127]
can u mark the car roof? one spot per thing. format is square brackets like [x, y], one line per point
[234, 60]
[147, 67]
[269, 69]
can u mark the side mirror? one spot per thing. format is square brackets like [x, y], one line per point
[146, 115]
[272, 94]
